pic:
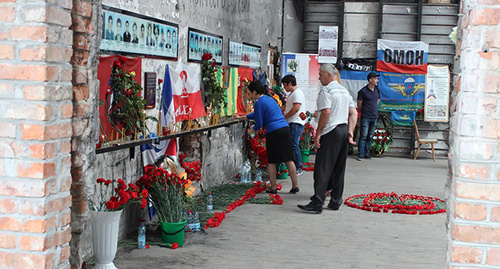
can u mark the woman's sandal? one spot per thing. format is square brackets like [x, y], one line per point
[272, 191]
[294, 190]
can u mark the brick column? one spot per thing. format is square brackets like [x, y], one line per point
[35, 124]
[85, 125]
[474, 160]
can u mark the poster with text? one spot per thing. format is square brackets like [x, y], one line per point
[327, 44]
[437, 93]
[126, 32]
[305, 68]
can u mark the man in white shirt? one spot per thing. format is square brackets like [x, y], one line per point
[294, 106]
[337, 120]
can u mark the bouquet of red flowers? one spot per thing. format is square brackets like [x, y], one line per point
[420, 113]
[193, 169]
[258, 153]
[213, 94]
[306, 139]
[166, 192]
[120, 195]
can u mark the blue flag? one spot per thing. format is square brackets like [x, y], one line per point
[401, 91]
[403, 117]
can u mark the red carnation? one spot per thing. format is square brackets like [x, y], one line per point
[175, 246]
[144, 203]
[160, 81]
[206, 56]
[302, 116]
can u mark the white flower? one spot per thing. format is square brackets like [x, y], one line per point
[453, 35]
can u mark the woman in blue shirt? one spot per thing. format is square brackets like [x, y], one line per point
[267, 114]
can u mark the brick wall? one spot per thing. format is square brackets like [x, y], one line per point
[85, 122]
[35, 136]
[474, 208]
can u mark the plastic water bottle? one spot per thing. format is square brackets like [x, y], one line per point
[243, 173]
[258, 175]
[248, 168]
[186, 217]
[196, 222]
[210, 205]
[141, 238]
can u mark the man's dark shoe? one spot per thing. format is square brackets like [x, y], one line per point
[359, 159]
[334, 206]
[294, 190]
[312, 208]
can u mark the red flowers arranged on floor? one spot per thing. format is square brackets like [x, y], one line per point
[394, 203]
[275, 199]
[193, 169]
[258, 187]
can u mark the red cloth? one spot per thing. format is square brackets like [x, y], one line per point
[240, 105]
[104, 70]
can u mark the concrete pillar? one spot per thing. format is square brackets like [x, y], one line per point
[35, 136]
[474, 159]
[85, 25]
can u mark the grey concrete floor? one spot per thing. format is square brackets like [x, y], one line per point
[273, 236]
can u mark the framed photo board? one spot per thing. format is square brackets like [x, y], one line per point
[125, 32]
[201, 42]
[244, 54]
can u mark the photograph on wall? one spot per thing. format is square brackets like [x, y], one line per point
[305, 68]
[327, 44]
[150, 89]
[201, 42]
[437, 93]
[125, 32]
[244, 54]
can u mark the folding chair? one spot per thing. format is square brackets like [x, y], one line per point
[421, 142]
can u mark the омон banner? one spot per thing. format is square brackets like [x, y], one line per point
[402, 56]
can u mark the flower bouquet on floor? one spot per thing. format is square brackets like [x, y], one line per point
[166, 193]
[306, 143]
[105, 213]
[380, 142]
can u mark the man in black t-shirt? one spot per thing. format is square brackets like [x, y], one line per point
[368, 99]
